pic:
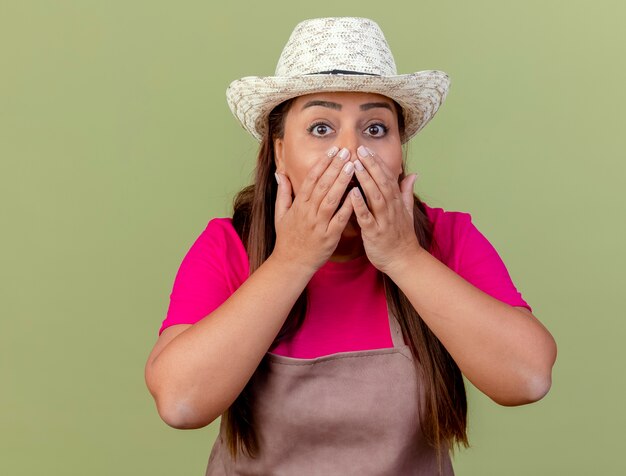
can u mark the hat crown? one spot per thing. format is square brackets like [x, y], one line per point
[345, 44]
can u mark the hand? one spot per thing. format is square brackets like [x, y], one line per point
[308, 228]
[387, 225]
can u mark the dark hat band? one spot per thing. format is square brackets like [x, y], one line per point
[342, 71]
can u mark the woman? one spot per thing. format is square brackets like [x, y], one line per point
[331, 319]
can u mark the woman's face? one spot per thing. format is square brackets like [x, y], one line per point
[317, 122]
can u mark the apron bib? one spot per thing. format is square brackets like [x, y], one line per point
[349, 413]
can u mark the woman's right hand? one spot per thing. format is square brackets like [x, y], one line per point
[247, 323]
[307, 227]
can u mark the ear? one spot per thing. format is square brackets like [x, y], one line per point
[279, 155]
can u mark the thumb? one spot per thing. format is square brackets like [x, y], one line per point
[406, 189]
[283, 197]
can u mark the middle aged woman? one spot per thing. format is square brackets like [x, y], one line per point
[331, 319]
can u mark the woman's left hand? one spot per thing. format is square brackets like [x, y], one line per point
[517, 353]
[386, 220]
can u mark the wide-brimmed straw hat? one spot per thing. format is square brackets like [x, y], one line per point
[337, 54]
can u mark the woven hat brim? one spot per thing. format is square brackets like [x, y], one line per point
[420, 95]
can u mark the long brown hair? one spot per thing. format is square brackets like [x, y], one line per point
[444, 410]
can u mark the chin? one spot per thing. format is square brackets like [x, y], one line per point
[352, 229]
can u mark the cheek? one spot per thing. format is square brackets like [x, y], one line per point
[393, 161]
[298, 162]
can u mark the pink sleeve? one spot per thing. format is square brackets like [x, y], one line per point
[479, 263]
[213, 268]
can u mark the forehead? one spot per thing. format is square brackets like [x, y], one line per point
[342, 97]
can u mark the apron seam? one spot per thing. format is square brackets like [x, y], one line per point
[394, 350]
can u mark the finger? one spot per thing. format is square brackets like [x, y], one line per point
[331, 201]
[328, 178]
[340, 220]
[377, 167]
[406, 188]
[375, 198]
[283, 197]
[363, 216]
[315, 173]
[380, 173]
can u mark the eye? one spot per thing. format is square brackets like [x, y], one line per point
[319, 129]
[376, 130]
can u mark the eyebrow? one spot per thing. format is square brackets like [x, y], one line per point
[337, 106]
[372, 105]
[332, 105]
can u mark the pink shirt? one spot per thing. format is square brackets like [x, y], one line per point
[347, 307]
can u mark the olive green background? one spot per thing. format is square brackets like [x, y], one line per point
[117, 146]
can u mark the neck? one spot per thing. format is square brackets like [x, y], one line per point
[350, 244]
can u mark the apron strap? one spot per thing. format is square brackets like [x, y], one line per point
[396, 330]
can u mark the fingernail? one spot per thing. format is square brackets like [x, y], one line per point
[362, 151]
[344, 154]
[356, 192]
[332, 151]
[358, 165]
[348, 168]
[277, 178]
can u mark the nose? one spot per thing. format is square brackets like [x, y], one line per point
[350, 139]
